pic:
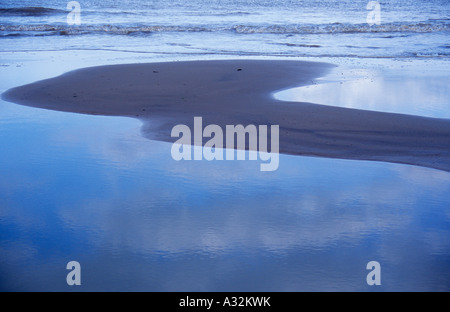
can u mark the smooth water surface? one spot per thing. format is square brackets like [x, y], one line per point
[415, 90]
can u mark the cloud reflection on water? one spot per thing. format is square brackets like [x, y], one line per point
[136, 219]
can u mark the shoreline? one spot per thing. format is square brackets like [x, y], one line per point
[163, 95]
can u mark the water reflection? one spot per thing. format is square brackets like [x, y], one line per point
[91, 189]
[422, 95]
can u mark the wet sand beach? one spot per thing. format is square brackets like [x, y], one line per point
[232, 92]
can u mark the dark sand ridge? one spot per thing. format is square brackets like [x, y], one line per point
[233, 92]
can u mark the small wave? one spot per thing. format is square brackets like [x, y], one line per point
[400, 28]
[30, 11]
[236, 13]
[12, 35]
[337, 28]
[302, 45]
[394, 36]
[98, 29]
[439, 19]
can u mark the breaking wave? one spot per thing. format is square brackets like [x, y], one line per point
[64, 29]
[30, 11]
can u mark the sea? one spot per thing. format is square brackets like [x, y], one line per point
[290, 28]
[91, 189]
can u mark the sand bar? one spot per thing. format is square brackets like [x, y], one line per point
[233, 92]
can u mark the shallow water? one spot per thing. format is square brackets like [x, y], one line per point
[91, 189]
[420, 91]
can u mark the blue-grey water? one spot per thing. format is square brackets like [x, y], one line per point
[291, 28]
[91, 189]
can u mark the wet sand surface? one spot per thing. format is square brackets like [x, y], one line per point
[234, 92]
